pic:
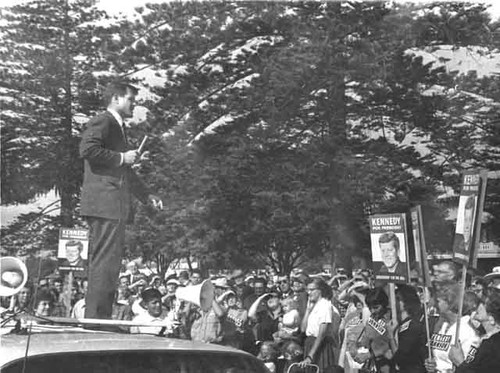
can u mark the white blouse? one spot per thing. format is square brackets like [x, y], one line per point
[322, 313]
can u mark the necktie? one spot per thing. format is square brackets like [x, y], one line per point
[124, 133]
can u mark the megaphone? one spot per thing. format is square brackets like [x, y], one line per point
[13, 275]
[202, 295]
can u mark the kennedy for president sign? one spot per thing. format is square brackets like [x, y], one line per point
[73, 249]
[470, 205]
[389, 247]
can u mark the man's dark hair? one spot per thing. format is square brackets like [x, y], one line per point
[389, 237]
[377, 296]
[493, 306]
[322, 286]
[411, 301]
[149, 294]
[44, 295]
[118, 89]
[76, 243]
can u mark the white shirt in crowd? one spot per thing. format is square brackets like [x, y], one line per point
[148, 319]
[321, 313]
[442, 341]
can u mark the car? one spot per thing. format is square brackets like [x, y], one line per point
[63, 349]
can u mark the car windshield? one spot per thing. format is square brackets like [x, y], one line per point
[135, 362]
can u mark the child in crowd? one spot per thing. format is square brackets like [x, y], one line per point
[293, 354]
[268, 354]
[289, 325]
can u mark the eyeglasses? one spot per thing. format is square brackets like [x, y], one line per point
[311, 289]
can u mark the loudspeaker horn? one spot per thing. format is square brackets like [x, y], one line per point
[13, 275]
[202, 295]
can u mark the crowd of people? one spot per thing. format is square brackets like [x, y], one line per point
[339, 322]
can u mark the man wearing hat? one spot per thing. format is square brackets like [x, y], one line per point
[493, 279]
[169, 299]
[259, 288]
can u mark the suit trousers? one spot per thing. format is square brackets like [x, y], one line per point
[105, 253]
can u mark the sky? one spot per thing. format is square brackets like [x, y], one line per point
[127, 6]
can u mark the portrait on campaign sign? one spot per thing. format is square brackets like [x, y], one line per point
[469, 212]
[389, 247]
[73, 249]
[465, 221]
[464, 232]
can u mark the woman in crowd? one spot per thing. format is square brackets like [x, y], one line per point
[233, 321]
[44, 303]
[320, 324]
[411, 351]
[374, 346]
[445, 330]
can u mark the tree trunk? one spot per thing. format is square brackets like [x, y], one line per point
[336, 142]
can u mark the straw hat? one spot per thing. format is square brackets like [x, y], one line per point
[493, 275]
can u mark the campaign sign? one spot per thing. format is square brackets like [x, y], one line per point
[73, 249]
[389, 247]
[467, 217]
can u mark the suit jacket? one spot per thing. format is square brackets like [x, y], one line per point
[107, 187]
[400, 270]
[80, 263]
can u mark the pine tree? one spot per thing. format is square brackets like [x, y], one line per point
[56, 55]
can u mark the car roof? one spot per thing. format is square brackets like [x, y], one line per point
[55, 340]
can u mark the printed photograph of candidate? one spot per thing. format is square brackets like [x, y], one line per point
[72, 255]
[389, 257]
[464, 232]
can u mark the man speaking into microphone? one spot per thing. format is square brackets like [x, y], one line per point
[106, 202]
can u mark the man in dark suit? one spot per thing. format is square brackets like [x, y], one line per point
[108, 185]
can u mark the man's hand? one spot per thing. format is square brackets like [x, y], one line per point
[130, 157]
[155, 201]
[391, 327]
[430, 365]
